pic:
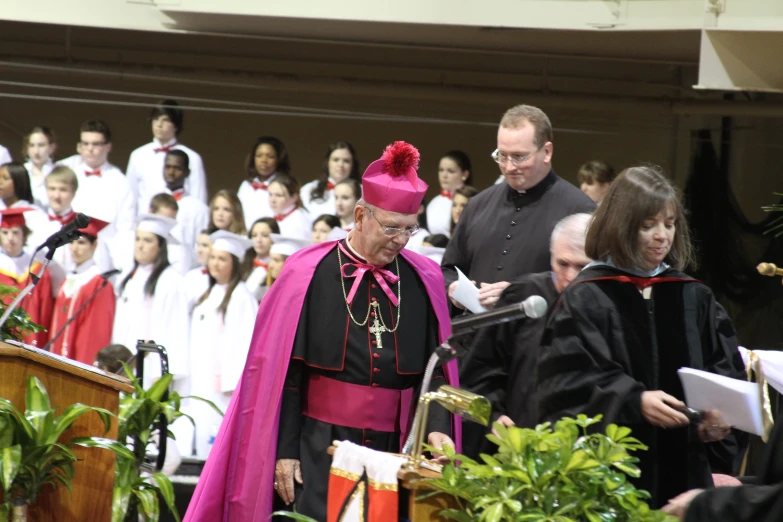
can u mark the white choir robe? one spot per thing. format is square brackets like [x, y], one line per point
[162, 318]
[439, 215]
[145, 173]
[255, 201]
[196, 283]
[107, 197]
[219, 347]
[415, 241]
[296, 224]
[256, 281]
[40, 195]
[319, 207]
[192, 218]
[5, 156]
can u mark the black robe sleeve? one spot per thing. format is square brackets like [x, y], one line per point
[289, 429]
[577, 371]
[722, 357]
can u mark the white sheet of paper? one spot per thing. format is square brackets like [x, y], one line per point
[737, 400]
[467, 294]
[771, 365]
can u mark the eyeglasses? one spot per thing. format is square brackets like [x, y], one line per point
[516, 161]
[394, 231]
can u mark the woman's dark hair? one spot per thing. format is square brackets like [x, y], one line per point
[21, 179]
[291, 185]
[268, 221]
[171, 109]
[463, 162]
[437, 240]
[318, 191]
[110, 358]
[160, 264]
[356, 187]
[236, 277]
[283, 163]
[46, 131]
[595, 171]
[330, 220]
[637, 194]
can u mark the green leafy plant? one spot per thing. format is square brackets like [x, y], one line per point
[565, 474]
[135, 492]
[32, 453]
[19, 323]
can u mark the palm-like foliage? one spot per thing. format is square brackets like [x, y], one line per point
[19, 323]
[32, 453]
[550, 475]
[139, 420]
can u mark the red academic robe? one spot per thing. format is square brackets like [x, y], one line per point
[38, 304]
[92, 329]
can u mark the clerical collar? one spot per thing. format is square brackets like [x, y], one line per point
[533, 192]
[352, 250]
[633, 271]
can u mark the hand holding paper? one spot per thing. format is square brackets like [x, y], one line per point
[467, 294]
[737, 401]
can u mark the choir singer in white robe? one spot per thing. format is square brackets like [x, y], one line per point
[152, 303]
[221, 330]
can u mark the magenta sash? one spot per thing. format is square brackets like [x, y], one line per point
[354, 405]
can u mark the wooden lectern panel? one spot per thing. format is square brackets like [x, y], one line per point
[68, 383]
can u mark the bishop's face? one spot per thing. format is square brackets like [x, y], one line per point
[372, 242]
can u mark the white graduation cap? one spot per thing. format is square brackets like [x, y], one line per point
[234, 244]
[286, 246]
[336, 234]
[159, 225]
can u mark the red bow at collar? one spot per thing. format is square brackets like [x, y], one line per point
[258, 262]
[96, 172]
[446, 194]
[165, 148]
[281, 217]
[259, 186]
[64, 219]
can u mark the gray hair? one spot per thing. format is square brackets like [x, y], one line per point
[573, 229]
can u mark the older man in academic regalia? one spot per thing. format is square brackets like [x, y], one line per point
[340, 346]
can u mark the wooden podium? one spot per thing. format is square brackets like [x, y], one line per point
[69, 382]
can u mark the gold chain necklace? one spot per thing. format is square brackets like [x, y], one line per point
[379, 325]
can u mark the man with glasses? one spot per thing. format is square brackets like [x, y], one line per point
[104, 191]
[340, 346]
[503, 233]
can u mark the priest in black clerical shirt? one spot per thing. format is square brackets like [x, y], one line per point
[501, 362]
[504, 231]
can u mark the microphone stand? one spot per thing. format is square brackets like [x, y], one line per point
[76, 314]
[29, 288]
[142, 348]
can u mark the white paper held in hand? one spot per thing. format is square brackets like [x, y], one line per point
[467, 294]
[738, 401]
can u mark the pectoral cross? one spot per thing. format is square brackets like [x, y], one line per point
[376, 329]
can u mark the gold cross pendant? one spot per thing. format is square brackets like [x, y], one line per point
[377, 329]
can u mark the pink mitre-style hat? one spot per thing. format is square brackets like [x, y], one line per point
[391, 183]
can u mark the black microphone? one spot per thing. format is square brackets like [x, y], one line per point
[66, 234]
[533, 307]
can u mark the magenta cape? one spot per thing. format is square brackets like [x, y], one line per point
[237, 482]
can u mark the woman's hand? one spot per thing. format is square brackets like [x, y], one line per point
[657, 410]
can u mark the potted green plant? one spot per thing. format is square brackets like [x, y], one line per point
[135, 492]
[568, 473]
[19, 323]
[32, 452]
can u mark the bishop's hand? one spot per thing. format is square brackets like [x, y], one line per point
[437, 440]
[286, 471]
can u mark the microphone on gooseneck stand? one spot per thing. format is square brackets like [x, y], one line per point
[533, 307]
[65, 235]
[105, 276]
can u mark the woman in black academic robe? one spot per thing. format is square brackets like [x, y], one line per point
[618, 334]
